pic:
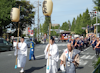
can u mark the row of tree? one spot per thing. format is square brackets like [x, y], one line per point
[82, 20]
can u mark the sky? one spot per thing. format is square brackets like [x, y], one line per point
[63, 10]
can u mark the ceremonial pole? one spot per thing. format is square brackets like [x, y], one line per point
[47, 11]
[15, 16]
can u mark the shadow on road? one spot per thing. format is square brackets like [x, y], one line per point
[33, 69]
[79, 67]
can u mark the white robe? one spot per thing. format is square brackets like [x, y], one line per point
[53, 59]
[22, 53]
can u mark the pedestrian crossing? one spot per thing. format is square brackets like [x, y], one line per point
[84, 59]
[86, 53]
[87, 57]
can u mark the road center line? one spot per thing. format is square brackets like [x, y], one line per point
[44, 55]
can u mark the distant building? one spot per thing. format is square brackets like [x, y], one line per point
[53, 25]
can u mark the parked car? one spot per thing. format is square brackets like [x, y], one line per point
[5, 45]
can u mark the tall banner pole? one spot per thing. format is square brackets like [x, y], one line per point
[15, 17]
[49, 29]
[17, 43]
[96, 25]
[47, 11]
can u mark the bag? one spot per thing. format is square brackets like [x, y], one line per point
[62, 67]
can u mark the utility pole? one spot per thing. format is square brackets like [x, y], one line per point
[96, 23]
[38, 22]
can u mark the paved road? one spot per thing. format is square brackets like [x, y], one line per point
[7, 60]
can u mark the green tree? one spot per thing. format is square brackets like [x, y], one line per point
[65, 26]
[86, 18]
[46, 24]
[26, 15]
[97, 5]
[41, 28]
[82, 21]
[73, 24]
[5, 8]
[35, 32]
[53, 33]
[78, 29]
[69, 24]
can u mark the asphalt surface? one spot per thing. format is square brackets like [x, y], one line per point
[7, 60]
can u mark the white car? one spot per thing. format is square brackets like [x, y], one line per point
[15, 41]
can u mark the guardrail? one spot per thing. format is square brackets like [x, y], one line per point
[97, 70]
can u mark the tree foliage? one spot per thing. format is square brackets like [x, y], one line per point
[54, 33]
[73, 24]
[65, 26]
[81, 21]
[97, 5]
[5, 8]
[46, 24]
[26, 15]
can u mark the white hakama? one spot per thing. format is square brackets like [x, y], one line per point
[21, 61]
[22, 53]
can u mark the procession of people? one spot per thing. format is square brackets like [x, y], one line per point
[69, 57]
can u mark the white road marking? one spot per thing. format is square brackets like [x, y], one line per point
[85, 49]
[85, 63]
[39, 46]
[40, 56]
[87, 57]
[9, 54]
[44, 55]
[86, 53]
[92, 57]
[83, 56]
[61, 44]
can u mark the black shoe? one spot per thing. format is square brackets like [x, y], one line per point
[30, 60]
[97, 56]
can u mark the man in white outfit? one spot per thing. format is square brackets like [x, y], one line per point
[22, 53]
[51, 54]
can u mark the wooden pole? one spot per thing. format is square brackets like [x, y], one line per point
[17, 41]
[49, 38]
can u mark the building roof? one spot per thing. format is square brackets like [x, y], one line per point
[66, 32]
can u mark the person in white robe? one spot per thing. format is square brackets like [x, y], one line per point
[51, 54]
[22, 53]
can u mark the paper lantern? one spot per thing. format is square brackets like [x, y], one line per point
[47, 7]
[86, 31]
[15, 14]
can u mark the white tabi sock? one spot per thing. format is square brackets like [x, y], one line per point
[22, 70]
